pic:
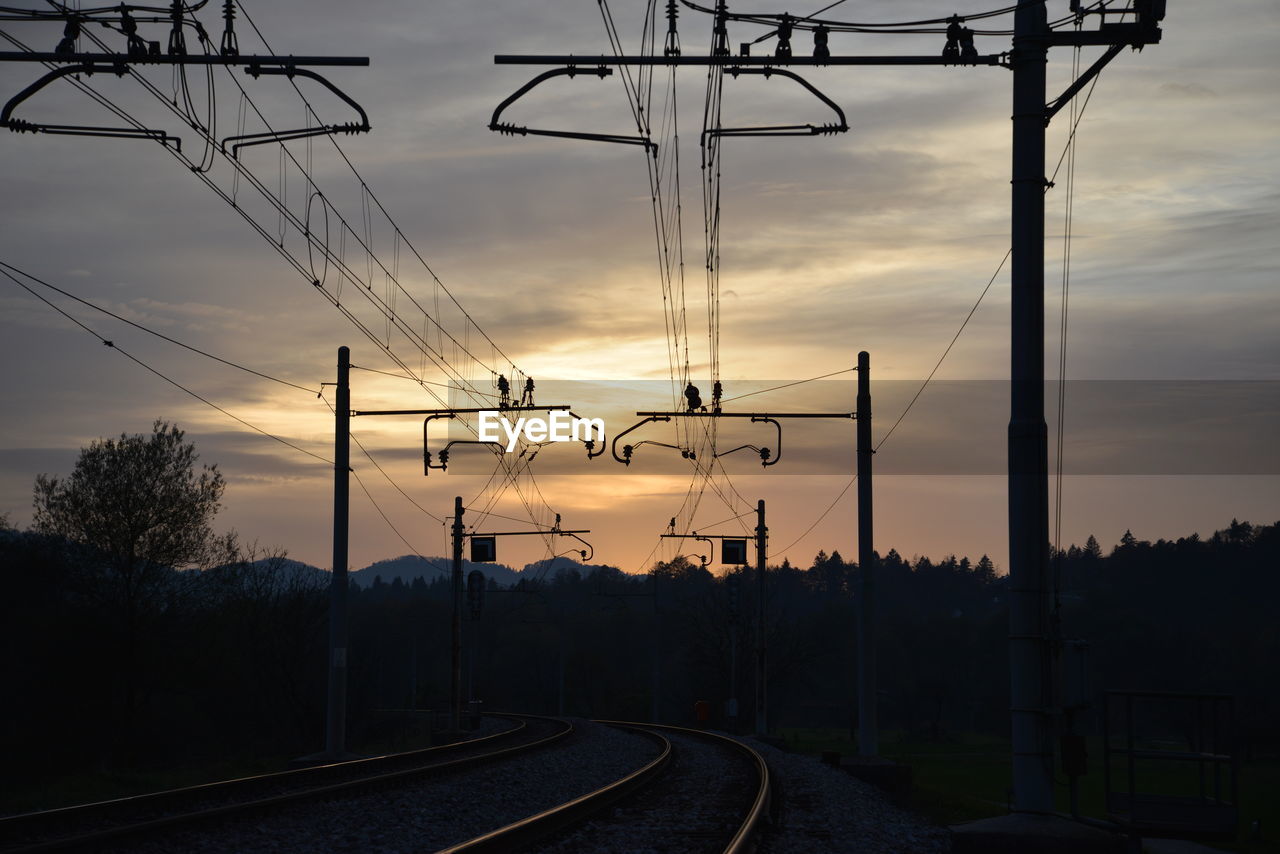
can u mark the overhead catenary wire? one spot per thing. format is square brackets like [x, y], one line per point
[110, 343]
[286, 217]
[414, 379]
[368, 196]
[151, 331]
[383, 471]
[1068, 218]
[790, 384]
[431, 563]
[240, 170]
[373, 197]
[931, 26]
[1076, 118]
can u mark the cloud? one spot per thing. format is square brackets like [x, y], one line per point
[878, 239]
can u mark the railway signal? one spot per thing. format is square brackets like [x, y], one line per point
[487, 551]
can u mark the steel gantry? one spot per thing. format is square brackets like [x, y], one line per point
[1030, 619]
[68, 59]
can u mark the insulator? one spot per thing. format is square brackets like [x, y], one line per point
[70, 33]
[672, 46]
[955, 32]
[230, 46]
[137, 47]
[784, 37]
[177, 41]
[721, 31]
[820, 49]
[693, 397]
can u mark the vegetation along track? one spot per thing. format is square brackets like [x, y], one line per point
[90, 825]
[703, 793]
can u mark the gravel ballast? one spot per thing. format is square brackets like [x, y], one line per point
[434, 813]
[827, 810]
[696, 805]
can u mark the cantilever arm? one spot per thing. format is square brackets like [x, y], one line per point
[786, 130]
[614, 446]
[766, 459]
[290, 71]
[588, 555]
[426, 454]
[601, 71]
[23, 126]
[706, 559]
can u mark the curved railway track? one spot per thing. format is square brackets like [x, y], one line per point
[704, 792]
[111, 822]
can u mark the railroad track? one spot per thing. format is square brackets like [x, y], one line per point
[93, 826]
[704, 792]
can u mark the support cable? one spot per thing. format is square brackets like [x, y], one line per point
[285, 253]
[400, 236]
[1067, 217]
[109, 343]
[431, 563]
[150, 331]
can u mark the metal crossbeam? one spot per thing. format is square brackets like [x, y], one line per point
[1000, 59]
[178, 59]
[758, 415]
[449, 413]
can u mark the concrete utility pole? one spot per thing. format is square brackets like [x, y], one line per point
[655, 677]
[868, 731]
[335, 743]
[455, 670]
[1028, 482]
[762, 659]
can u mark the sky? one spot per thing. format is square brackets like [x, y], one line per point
[879, 239]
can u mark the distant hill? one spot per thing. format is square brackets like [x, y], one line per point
[286, 564]
[547, 569]
[409, 567]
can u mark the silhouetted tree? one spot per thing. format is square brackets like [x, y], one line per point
[986, 570]
[136, 509]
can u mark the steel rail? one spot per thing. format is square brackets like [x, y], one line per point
[524, 832]
[521, 834]
[742, 841]
[37, 823]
